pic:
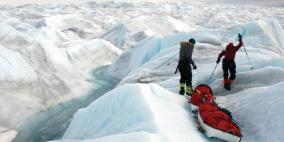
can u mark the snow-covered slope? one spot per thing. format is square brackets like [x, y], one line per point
[48, 52]
[136, 112]
[42, 66]
[154, 59]
[158, 56]
[41, 75]
[259, 111]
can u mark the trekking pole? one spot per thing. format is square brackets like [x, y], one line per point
[248, 58]
[177, 69]
[213, 72]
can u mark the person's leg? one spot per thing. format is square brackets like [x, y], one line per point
[225, 67]
[189, 89]
[182, 78]
[232, 70]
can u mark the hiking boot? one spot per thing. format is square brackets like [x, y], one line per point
[227, 84]
[189, 90]
[181, 87]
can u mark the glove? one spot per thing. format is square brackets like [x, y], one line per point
[194, 67]
[218, 61]
[240, 36]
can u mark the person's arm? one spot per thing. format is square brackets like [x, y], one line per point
[180, 54]
[192, 63]
[240, 42]
[220, 56]
[190, 57]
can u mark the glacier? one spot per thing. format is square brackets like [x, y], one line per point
[115, 62]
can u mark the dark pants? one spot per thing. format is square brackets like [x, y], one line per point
[229, 65]
[185, 73]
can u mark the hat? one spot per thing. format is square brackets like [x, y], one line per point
[192, 40]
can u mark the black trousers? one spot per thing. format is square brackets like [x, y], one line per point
[229, 65]
[185, 73]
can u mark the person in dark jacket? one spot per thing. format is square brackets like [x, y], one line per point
[228, 64]
[185, 60]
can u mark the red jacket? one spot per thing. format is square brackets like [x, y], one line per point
[230, 51]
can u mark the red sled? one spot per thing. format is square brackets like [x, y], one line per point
[218, 123]
[202, 93]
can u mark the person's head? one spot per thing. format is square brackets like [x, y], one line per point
[230, 45]
[192, 41]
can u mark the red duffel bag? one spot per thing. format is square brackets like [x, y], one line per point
[214, 117]
[202, 93]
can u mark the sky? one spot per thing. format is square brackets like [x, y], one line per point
[253, 2]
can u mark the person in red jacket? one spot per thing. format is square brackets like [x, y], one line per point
[228, 63]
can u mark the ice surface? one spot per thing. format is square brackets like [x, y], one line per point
[135, 112]
[41, 76]
[155, 58]
[258, 111]
[48, 52]
[42, 66]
